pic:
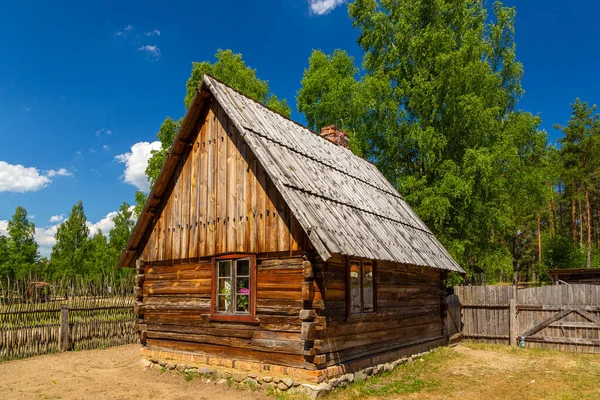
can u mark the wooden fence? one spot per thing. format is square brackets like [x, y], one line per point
[77, 324]
[40, 317]
[565, 317]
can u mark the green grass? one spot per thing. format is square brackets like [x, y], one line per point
[480, 371]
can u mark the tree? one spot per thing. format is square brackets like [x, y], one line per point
[70, 253]
[98, 260]
[5, 269]
[22, 247]
[119, 234]
[581, 155]
[435, 111]
[329, 91]
[229, 68]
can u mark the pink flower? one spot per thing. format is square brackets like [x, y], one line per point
[244, 291]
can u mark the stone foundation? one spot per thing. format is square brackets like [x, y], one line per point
[267, 376]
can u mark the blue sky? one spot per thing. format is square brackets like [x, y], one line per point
[84, 86]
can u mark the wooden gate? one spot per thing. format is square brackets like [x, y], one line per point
[453, 319]
[565, 317]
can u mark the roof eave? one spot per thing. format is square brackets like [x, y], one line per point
[133, 249]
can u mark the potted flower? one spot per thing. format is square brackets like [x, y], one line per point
[242, 300]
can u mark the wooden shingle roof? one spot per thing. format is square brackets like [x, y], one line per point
[343, 203]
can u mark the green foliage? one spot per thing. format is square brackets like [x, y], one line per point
[98, 258]
[329, 91]
[580, 152]
[140, 201]
[119, 234]
[70, 253]
[454, 279]
[166, 134]
[435, 111]
[229, 68]
[18, 250]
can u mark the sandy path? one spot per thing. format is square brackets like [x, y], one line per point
[114, 373]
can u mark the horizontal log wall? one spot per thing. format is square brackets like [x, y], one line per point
[409, 312]
[221, 201]
[177, 306]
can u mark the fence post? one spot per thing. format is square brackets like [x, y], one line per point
[63, 340]
[512, 326]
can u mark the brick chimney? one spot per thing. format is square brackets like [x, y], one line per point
[335, 135]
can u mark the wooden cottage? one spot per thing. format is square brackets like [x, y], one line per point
[266, 246]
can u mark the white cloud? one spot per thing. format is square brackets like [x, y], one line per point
[154, 32]
[136, 162]
[105, 147]
[322, 7]
[124, 31]
[45, 236]
[20, 179]
[105, 224]
[3, 227]
[103, 131]
[59, 172]
[57, 218]
[151, 51]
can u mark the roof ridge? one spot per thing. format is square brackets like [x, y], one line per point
[317, 134]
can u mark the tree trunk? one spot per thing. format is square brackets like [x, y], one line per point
[588, 223]
[573, 222]
[539, 235]
[580, 215]
[515, 263]
[552, 217]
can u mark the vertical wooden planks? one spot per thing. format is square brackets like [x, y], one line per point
[261, 210]
[184, 215]
[251, 201]
[194, 197]
[271, 221]
[177, 218]
[221, 201]
[221, 192]
[211, 222]
[241, 217]
[231, 225]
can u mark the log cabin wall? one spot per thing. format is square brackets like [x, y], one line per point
[222, 201]
[410, 311]
[177, 308]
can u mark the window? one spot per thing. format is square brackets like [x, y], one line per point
[233, 288]
[362, 287]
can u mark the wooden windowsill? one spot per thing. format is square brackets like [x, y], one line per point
[234, 318]
[360, 316]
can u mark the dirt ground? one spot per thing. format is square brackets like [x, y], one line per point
[469, 371]
[114, 373]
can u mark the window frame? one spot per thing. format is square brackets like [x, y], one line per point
[250, 316]
[349, 312]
